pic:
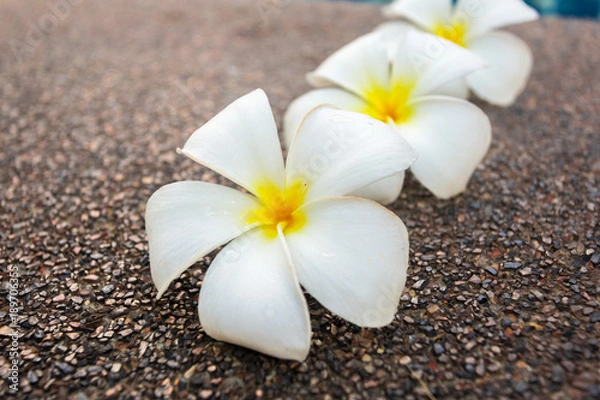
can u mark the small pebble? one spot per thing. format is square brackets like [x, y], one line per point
[520, 386]
[108, 289]
[512, 265]
[65, 368]
[506, 322]
[420, 284]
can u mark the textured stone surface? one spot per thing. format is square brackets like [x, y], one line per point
[89, 121]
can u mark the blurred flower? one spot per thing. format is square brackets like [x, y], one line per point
[472, 24]
[294, 228]
[451, 136]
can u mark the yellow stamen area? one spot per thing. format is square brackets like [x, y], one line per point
[279, 208]
[389, 104]
[454, 32]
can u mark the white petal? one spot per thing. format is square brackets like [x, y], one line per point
[393, 33]
[303, 104]
[431, 62]
[384, 191]
[187, 220]
[486, 15]
[510, 62]
[336, 152]
[455, 88]
[360, 64]
[451, 137]
[352, 256]
[425, 13]
[240, 143]
[250, 297]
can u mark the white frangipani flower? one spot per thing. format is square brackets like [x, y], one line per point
[473, 25]
[294, 228]
[451, 136]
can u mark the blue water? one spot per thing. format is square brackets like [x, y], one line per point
[571, 8]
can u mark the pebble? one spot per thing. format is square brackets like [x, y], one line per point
[432, 308]
[405, 360]
[32, 377]
[108, 289]
[493, 368]
[558, 374]
[520, 386]
[59, 298]
[526, 271]
[94, 369]
[65, 368]
[512, 265]
[77, 299]
[420, 284]
[480, 369]
[126, 332]
[113, 391]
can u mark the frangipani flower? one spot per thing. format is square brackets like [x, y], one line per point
[472, 24]
[294, 228]
[451, 136]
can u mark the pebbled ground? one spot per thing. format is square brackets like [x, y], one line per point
[504, 285]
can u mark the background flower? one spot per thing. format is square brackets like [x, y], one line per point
[450, 135]
[293, 228]
[473, 25]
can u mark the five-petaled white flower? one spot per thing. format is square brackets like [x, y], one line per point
[451, 136]
[472, 24]
[296, 227]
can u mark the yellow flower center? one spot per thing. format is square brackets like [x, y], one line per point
[454, 32]
[279, 208]
[388, 104]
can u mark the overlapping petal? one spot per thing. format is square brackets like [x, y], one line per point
[298, 109]
[352, 258]
[457, 88]
[484, 16]
[451, 137]
[431, 61]
[509, 66]
[393, 33]
[336, 152]
[240, 143]
[384, 191]
[425, 13]
[360, 64]
[187, 220]
[251, 297]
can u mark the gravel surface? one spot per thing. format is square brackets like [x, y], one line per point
[503, 294]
